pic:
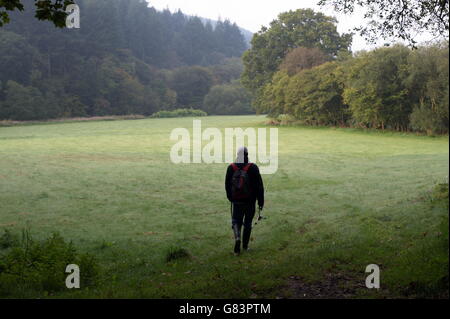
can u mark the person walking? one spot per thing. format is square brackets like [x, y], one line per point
[244, 186]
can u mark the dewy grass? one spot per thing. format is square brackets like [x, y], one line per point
[340, 200]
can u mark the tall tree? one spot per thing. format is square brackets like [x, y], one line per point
[17, 57]
[191, 85]
[428, 84]
[300, 28]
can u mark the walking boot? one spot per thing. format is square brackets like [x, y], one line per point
[246, 237]
[237, 238]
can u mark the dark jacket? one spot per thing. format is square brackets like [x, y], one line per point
[256, 183]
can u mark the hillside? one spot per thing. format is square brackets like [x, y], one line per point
[126, 58]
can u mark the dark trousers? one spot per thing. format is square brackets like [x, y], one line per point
[243, 214]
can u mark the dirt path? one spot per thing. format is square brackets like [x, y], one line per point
[332, 286]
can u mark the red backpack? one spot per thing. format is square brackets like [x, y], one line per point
[240, 183]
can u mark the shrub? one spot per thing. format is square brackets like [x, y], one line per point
[176, 253]
[179, 113]
[7, 240]
[286, 119]
[440, 193]
[39, 267]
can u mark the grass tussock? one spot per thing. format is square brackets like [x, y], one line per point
[175, 253]
[440, 192]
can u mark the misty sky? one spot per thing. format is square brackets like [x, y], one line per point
[252, 14]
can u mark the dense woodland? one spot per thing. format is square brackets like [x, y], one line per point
[126, 58]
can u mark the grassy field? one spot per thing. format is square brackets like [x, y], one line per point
[340, 200]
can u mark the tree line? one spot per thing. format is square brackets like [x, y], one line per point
[126, 58]
[302, 68]
[388, 88]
